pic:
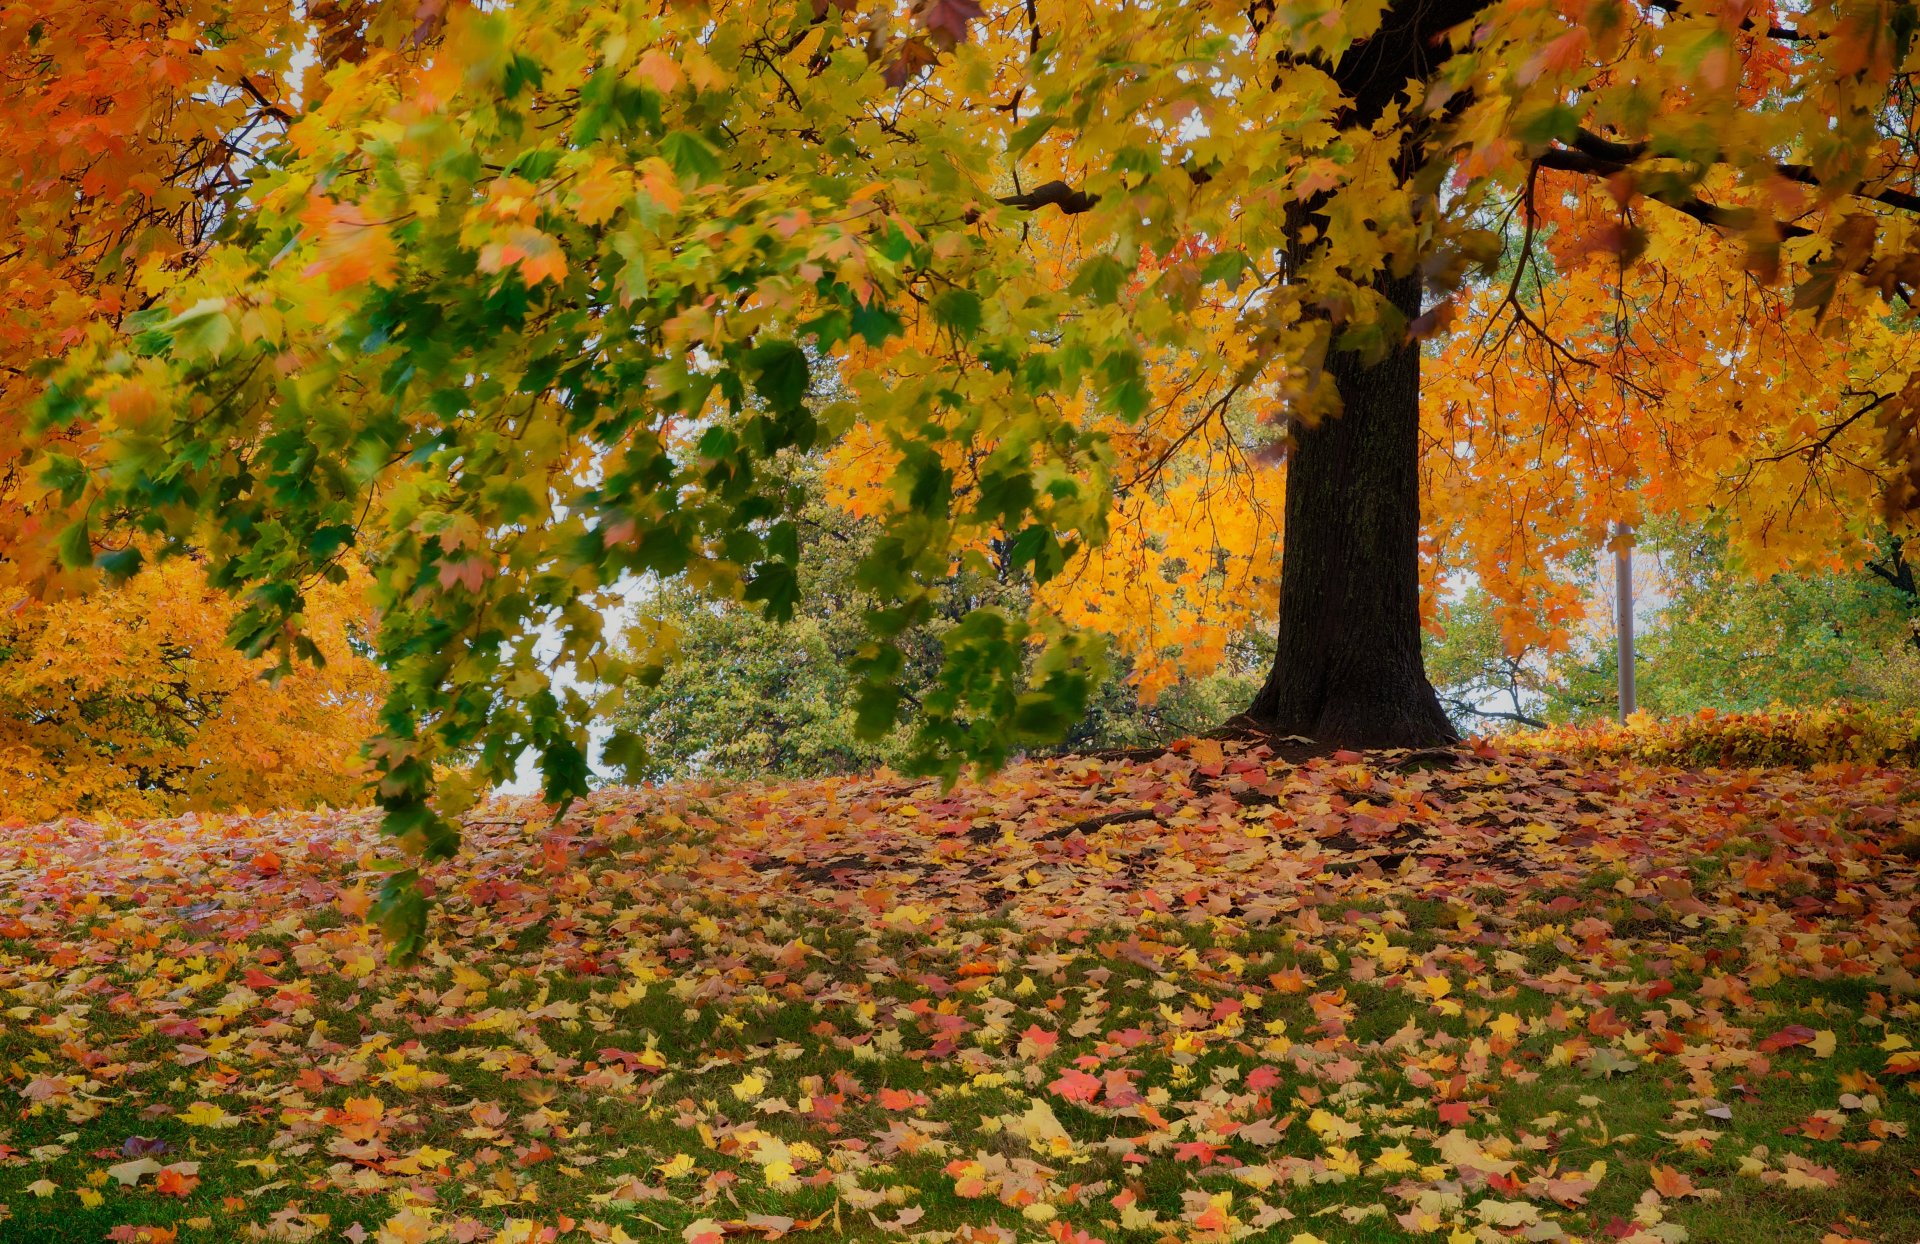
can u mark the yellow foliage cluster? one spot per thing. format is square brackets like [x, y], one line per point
[1839, 734]
[129, 702]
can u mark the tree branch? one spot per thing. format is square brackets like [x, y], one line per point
[1493, 714]
[1812, 449]
[1898, 199]
[1070, 201]
[267, 106]
[1785, 34]
[1619, 155]
[1563, 160]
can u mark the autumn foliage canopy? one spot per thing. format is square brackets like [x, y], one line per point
[524, 304]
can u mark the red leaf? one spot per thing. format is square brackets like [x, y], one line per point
[1791, 1035]
[1077, 1086]
[947, 20]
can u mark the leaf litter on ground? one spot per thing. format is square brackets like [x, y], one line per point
[1201, 996]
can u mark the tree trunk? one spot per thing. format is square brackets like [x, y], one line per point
[1348, 670]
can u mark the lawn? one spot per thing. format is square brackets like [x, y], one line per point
[1201, 996]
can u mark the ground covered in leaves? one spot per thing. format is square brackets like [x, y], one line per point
[1208, 996]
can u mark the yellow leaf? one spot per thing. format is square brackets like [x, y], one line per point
[206, 1114]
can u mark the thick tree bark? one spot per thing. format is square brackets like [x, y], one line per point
[1348, 670]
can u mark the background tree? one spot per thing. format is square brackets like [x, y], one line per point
[1713, 636]
[1731, 642]
[740, 695]
[1483, 683]
[130, 702]
[128, 134]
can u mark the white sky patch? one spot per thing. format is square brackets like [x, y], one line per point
[619, 619]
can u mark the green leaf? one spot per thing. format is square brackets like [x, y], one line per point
[626, 754]
[119, 565]
[563, 771]
[1227, 266]
[1553, 123]
[203, 331]
[65, 475]
[401, 914]
[523, 73]
[75, 546]
[324, 542]
[778, 585]
[690, 155]
[1102, 276]
[875, 323]
[1022, 140]
[876, 709]
[780, 374]
[958, 310]
[537, 164]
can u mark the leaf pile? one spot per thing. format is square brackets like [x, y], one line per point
[1833, 734]
[1209, 996]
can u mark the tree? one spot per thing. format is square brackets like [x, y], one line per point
[1728, 641]
[1714, 636]
[1482, 681]
[741, 696]
[127, 134]
[129, 702]
[532, 315]
[734, 693]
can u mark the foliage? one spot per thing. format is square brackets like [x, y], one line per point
[744, 696]
[739, 695]
[128, 134]
[1481, 681]
[1121, 716]
[130, 702]
[1839, 734]
[1208, 997]
[1728, 641]
[1711, 636]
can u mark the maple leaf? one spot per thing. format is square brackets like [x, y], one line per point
[1076, 1086]
[1786, 1038]
[172, 1182]
[906, 58]
[205, 1114]
[948, 20]
[1669, 1182]
[352, 249]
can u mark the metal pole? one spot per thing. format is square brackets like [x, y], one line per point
[1623, 613]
